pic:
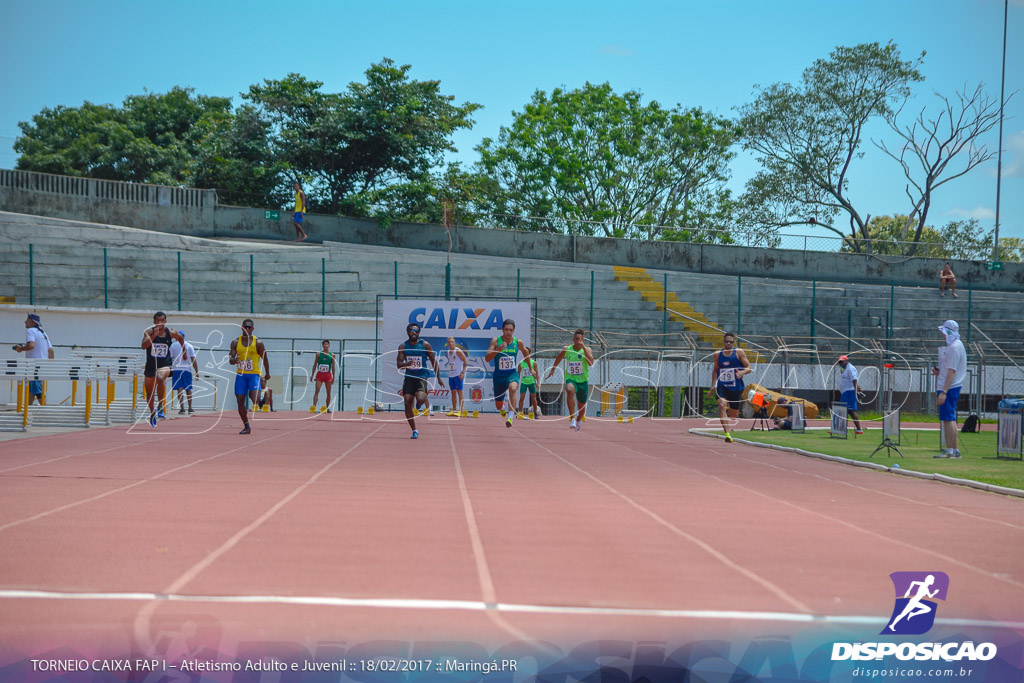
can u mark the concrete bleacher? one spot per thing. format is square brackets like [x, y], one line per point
[67, 269]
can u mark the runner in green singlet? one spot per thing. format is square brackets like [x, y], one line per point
[578, 359]
[503, 351]
[529, 382]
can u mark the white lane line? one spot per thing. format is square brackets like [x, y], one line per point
[483, 571]
[902, 499]
[121, 489]
[227, 545]
[75, 455]
[706, 547]
[481, 606]
[842, 522]
[142, 617]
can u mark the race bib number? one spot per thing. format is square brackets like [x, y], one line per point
[159, 350]
[575, 367]
[727, 375]
[323, 367]
[417, 362]
[506, 363]
[245, 366]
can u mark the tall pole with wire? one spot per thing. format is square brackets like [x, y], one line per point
[999, 162]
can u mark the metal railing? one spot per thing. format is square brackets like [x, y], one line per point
[160, 195]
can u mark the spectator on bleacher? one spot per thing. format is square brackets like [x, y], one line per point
[299, 213]
[37, 345]
[947, 280]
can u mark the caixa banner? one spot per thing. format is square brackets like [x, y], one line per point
[472, 324]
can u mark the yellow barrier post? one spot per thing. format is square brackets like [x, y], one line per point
[74, 391]
[24, 417]
[110, 391]
[42, 399]
[135, 391]
[88, 400]
[20, 395]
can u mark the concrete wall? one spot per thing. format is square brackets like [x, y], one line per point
[18, 193]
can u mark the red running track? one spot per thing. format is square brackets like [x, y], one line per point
[339, 528]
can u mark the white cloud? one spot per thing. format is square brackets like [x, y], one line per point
[617, 50]
[1013, 156]
[979, 212]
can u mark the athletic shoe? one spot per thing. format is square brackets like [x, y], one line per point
[859, 431]
[190, 411]
[572, 423]
[246, 430]
[955, 454]
[521, 416]
[579, 424]
[328, 411]
[415, 434]
[160, 414]
[182, 411]
[946, 453]
[503, 413]
[152, 420]
[728, 437]
[452, 413]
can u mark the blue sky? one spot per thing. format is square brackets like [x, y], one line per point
[707, 53]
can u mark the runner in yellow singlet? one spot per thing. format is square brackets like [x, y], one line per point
[246, 352]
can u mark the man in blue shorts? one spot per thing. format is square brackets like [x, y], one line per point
[246, 353]
[504, 352]
[950, 376]
[413, 356]
[849, 390]
[730, 366]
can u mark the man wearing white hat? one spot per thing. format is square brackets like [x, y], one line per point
[951, 373]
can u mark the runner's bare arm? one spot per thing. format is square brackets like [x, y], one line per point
[492, 351]
[742, 355]
[558, 359]
[262, 350]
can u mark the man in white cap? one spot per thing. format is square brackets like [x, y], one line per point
[37, 345]
[950, 374]
[848, 390]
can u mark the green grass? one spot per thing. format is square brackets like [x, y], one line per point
[917, 445]
[911, 417]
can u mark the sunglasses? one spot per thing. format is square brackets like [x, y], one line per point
[247, 327]
[413, 329]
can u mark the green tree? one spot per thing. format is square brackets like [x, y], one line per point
[235, 156]
[590, 161]
[807, 136]
[885, 233]
[148, 139]
[356, 147]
